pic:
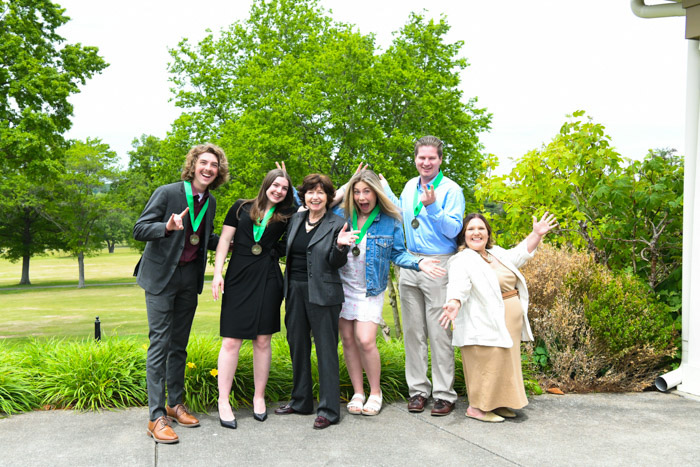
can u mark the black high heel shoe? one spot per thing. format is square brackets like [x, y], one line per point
[229, 423]
[261, 417]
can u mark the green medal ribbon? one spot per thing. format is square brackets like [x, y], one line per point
[418, 205]
[259, 229]
[190, 204]
[369, 221]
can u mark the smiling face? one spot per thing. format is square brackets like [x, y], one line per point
[277, 191]
[315, 199]
[428, 162]
[365, 198]
[205, 171]
[476, 235]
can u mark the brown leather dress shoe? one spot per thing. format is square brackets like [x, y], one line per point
[285, 409]
[417, 403]
[161, 432]
[442, 408]
[321, 422]
[180, 415]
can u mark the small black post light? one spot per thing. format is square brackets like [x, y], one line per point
[98, 331]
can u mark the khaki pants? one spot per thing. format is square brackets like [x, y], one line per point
[422, 298]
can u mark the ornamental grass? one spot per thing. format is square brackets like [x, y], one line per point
[92, 375]
[89, 375]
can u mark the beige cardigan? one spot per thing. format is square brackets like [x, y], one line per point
[472, 281]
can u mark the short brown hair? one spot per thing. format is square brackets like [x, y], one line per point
[311, 181]
[461, 241]
[428, 140]
[191, 162]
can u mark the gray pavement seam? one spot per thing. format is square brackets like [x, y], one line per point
[429, 422]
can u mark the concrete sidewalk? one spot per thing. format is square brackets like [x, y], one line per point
[593, 429]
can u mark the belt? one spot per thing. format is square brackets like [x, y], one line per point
[511, 293]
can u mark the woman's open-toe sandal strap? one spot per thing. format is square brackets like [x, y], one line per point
[373, 405]
[356, 403]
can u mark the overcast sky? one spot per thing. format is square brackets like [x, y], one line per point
[531, 63]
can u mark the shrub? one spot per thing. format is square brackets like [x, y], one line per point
[90, 375]
[16, 382]
[598, 331]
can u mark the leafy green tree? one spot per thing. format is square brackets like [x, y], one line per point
[38, 73]
[291, 84]
[628, 214]
[85, 198]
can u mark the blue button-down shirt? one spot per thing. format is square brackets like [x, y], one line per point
[440, 222]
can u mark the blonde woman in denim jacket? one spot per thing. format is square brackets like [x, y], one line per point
[365, 278]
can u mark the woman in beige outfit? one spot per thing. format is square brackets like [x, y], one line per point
[487, 304]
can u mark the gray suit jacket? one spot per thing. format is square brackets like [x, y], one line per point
[162, 253]
[323, 259]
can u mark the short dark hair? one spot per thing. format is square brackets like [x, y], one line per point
[428, 140]
[311, 181]
[461, 241]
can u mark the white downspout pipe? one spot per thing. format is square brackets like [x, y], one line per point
[641, 9]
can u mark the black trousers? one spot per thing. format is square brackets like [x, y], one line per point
[303, 318]
[170, 315]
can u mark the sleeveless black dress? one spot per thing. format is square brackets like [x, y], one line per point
[253, 286]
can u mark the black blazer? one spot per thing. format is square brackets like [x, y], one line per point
[162, 253]
[323, 259]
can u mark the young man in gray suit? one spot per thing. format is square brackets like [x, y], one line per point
[178, 226]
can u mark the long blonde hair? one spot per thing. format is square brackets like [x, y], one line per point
[373, 181]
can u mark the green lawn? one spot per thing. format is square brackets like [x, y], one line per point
[45, 310]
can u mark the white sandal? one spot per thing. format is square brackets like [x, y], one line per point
[355, 404]
[373, 405]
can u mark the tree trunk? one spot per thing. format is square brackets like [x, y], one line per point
[81, 270]
[25, 271]
[110, 245]
[393, 301]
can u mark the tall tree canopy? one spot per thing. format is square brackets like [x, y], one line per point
[38, 72]
[291, 84]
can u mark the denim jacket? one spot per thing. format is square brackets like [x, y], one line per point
[385, 244]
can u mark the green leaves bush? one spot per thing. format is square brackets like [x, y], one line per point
[90, 375]
[16, 382]
[595, 330]
[624, 315]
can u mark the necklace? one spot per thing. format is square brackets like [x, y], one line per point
[488, 258]
[313, 224]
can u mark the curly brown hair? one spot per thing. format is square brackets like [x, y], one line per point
[191, 162]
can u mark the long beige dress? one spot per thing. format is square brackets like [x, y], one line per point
[493, 375]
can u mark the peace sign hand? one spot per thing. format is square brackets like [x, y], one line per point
[428, 195]
[175, 221]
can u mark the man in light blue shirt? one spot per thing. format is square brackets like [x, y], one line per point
[433, 208]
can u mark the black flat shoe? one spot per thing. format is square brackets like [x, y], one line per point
[261, 417]
[228, 423]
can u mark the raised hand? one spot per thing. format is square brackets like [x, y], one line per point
[175, 221]
[360, 168]
[428, 195]
[431, 268]
[347, 237]
[449, 313]
[217, 286]
[544, 225]
[281, 167]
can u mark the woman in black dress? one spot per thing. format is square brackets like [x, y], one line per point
[252, 291]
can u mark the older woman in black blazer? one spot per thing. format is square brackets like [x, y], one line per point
[317, 246]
